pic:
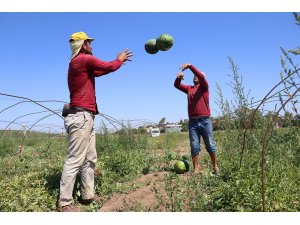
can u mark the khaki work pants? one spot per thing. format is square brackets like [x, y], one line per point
[82, 157]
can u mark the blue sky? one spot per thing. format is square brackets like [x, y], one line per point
[35, 56]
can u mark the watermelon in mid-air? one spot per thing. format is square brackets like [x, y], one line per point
[151, 47]
[164, 42]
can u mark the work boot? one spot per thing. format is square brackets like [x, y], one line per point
[96, 199]
[69, 208]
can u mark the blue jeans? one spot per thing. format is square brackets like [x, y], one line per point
[201, 127]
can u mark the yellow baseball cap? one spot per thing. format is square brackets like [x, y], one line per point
[80, 36]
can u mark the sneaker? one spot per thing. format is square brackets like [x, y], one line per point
[96, 199]
[69, 208]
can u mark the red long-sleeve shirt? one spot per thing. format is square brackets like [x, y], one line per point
[81, 79]
[198, 95]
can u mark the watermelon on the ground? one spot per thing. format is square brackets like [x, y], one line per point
[187, 165]
[164, 42]
[180, 167]
[186, 157]
[150, 46]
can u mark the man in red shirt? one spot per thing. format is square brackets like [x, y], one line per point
[79, 119]
[199, 115]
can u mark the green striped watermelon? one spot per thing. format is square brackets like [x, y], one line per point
[151, 47]
[181, 166]
[164, 42]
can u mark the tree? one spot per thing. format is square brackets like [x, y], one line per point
[296, 121]
[162, 121]
[185, 125]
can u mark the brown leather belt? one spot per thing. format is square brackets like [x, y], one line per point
[74, 110]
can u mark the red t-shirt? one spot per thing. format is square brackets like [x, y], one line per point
[198, 95]
[81, 79]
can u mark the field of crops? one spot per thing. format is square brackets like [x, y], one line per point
[30, 174]
[258, 155]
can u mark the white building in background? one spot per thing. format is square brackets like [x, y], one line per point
[173, 128]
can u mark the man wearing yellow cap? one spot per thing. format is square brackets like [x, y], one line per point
[79, 119]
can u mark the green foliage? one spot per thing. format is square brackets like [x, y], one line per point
[239, 189]
[243, 187]
[30, 177]
[297, 18]
[185, 125]
[167, 141]
[30, 180]
[25, 177]
[7, 147]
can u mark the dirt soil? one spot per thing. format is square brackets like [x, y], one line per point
[140, 199]
[148, 197]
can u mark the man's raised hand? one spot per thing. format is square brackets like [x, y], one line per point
[180, 76]
[125, 55]
[185, 66]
